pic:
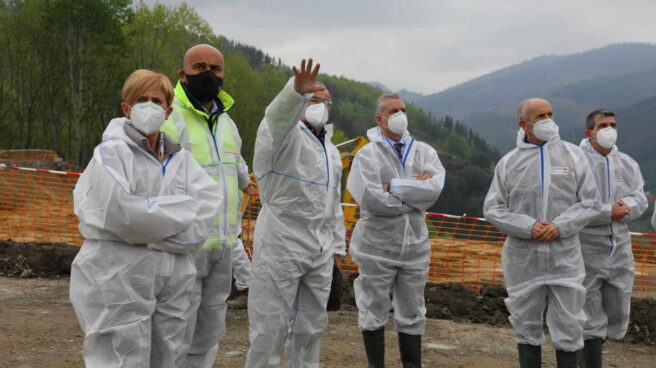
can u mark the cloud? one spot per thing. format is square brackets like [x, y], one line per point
[426, 46]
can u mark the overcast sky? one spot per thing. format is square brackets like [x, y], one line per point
[426, 46]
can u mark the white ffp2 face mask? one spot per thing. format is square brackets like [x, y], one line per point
[316, 114]
[147, 117]
[545, 129]
[398, 123]
[606, 137]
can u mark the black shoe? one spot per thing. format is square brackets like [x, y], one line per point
[590, 356]
[374, 345]
[530, 356]
[410, 348]
[566, 359]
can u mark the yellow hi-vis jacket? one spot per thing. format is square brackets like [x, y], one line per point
[215, 143]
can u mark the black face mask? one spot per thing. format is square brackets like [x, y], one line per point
[204, 86]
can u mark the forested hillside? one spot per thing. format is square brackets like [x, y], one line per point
[64, 62]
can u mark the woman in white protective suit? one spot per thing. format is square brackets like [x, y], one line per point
[144, 206]
[542, 194]
[394, 179]
[606, 241]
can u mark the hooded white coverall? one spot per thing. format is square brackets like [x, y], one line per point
[550, 183]
[606, 244]
[390, 241]
[299, 229]
[131, 281]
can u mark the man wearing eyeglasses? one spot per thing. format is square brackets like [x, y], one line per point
[300, 227]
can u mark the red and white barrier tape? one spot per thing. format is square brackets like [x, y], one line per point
[465, 217]
[4, 166]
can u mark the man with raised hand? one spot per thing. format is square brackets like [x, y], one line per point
[606, 241]
[300, 227]
[201, 124]
[541, 196]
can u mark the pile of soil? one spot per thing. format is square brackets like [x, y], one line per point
[451, 301]
[51, 260]
[35, 158]
[642, 325]
[456, 302]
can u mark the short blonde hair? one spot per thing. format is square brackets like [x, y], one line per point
[142, 80]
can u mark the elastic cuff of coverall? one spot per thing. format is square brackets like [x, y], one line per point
[615, 333]
[606, 211]
[569, 346]
[532, 341]
[417, 329]
[563, 231]
[529, 231]
[594, 335]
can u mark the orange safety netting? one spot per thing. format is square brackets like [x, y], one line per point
[467, 250]
[37, 207]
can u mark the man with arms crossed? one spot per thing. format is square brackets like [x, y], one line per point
[394, 179]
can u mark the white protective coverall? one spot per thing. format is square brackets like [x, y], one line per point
[550, 183]
[390, 241]
[141, 219]
[606, 244]
[299, 229]
[241, 266]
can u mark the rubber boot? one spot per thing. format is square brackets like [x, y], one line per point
[590, 356]
[374, 345]
[530, 356]
[566, 359]
[410, 348]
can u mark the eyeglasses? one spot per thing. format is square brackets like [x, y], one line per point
[316, 100]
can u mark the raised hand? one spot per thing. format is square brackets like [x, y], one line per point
[305, 80]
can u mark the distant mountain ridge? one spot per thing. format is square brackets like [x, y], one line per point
[380, 86]
[614, 76]
[408, 96]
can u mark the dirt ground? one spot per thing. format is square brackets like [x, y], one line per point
[38, 329]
